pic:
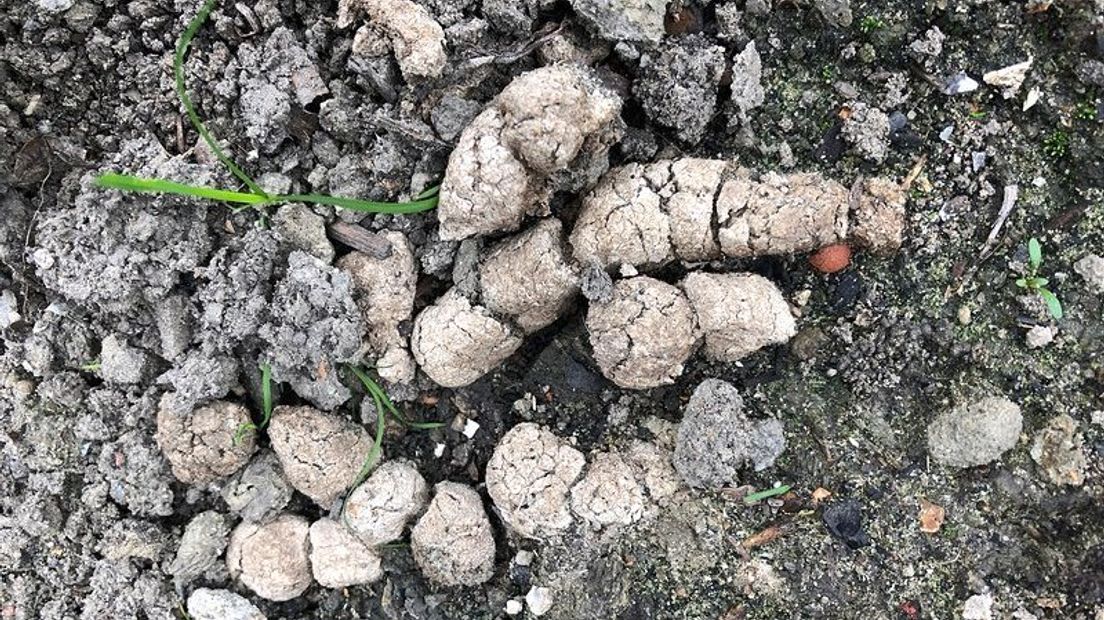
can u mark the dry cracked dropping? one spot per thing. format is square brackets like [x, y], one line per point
[378, 510]
[738, 313]
[549, 129]
[320, 452]
[272, 559]
[455, 342]
[199, 444]
[529, 477]
[338, 559]
[716, 439]
[644, 334]
[609, 494]
[453, 542]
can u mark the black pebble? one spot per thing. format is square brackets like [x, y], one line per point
[844, 521]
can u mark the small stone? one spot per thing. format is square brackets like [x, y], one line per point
[199, 444]
[539, 600]
[931, 517]
[975, 433]
[637, 21]
[1039, 336]
[844, 520]
[866, 128]
[378, 510]
[304, 229]
[513, 607]
[978, 607]
[321, 453]
[931, 45]
[122, 363]
[1091, 268]
[959, 83]
[201, 547]
[453, 543]
[259, 491]
[9, 309]
[272, 559]
[1057, 450]
[339, 559]
[965, 315]
[208, 604]
[1009, 79]
[747, 74]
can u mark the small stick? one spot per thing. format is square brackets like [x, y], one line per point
[360, 238]
[1011, 194]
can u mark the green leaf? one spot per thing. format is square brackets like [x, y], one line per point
[762, 495]
[1052, 303]
[158, 186]
[1039, 282]
[363, 206]
[1034, 253]
[1021, 282]
[266, 393]
[377, 392]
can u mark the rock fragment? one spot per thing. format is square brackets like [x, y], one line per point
[529, 476]
[338, 559]
[844, 520]
[378, 510]
[304, 229]
[456, 343]
[416, 38]
[716, 439]
[321, 454]
[678, 85]
[199, 444]
[867, 129]
[550, 128]
[747, 75]
[259, 491]
[452, 543]
[1009, 79]
[208, 604]
[1057, 451]
[959, 84]
[609, 493]
[975, 433]
[527, 277]
[638, 21]
[1091, 269]
[738, 313]
[200, 548]
[272, 559]
[644, 334]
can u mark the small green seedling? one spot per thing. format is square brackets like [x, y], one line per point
[1056, 145]
[870, 23]
[255, 197]
[1035, 283]
[767, 494]
[266, 405]
[384, 407]
[93, 366]
[1085, 111]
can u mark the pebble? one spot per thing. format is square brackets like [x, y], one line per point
[978, 607]
[844, 520]
[539, 600]
[1039, 336]
[959, 83]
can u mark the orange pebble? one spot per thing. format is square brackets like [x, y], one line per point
[831, 258]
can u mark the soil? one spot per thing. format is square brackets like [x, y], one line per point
[109, 301]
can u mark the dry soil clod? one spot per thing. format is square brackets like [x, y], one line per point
[644, 334]
[609, 494]
[975, 433]
[321, 453]
[199, 444]
[529, 476]
[550, 128]
[378, 510]
[338, 559]
[416, 38]
[452, 542]
[738, 313]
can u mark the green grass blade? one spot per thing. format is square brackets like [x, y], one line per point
[377, 446]
[377, 392]
[266, 393]
[1034, 253]
[1052, 303]
[429, 192]
[762, 495]
[363, 206]
[159, 186]
[189, 107]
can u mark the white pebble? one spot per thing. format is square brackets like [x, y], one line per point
[539, 600]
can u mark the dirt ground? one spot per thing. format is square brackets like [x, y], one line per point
[906, 499]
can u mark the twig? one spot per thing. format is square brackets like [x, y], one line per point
[1011, 194]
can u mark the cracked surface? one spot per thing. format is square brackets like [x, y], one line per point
[455, 342]
[529, 476]
[609, 494]
[384, 292]
[315, 325]
[644, 334]
[716, 440]
[652, 466]
[271, 559]
[622, 221]
[321, 453]
[199, 444]
[452, 543]
[528, 278]
[780, 214]
[530, 140]
[338, 559]
[416, 38]
[378, 510]
[878, 218]
[738, 313]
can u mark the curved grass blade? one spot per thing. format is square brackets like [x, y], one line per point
[429, 192]
[377, 446]
[159, 186]
[762, 495]
[189, 107]
[382, 399]
[363, 206]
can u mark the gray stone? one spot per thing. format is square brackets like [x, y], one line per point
[260, 491]
[867, 130]
[678, 85]
[747, 74]
[174, 326]
[304, 229]
[9, 309]
[122, 363]
[1039, 336]
[975, 433]
[208, 604]
[639, 21]
[201, 547]
[716, 439]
